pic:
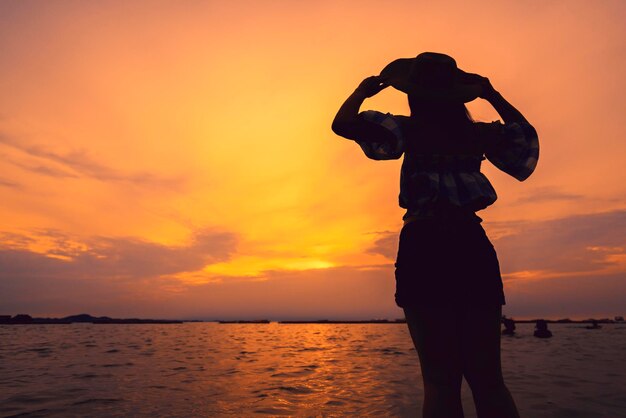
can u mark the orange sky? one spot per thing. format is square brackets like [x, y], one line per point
[175, 159]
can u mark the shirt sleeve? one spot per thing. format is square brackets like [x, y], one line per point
[512, 147]
[385, 126]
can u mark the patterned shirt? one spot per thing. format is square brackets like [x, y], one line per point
[428, 179]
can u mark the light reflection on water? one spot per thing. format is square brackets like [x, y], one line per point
[210, 369]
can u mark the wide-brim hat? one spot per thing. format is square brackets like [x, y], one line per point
[432, 76]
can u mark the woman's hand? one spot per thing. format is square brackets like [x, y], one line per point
[371, 86]
[507, 112]
[346, 122]
[487, 90]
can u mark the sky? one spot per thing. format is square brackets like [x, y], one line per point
[175, 159]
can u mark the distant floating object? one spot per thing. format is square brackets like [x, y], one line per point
[509, 326]
[541, 329]
[594, 325]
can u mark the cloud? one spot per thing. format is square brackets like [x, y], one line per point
[45, 170]
[578, 258]
[545, 194]
[572, 266]
[574, 244]
[125, 258]
[9, 183]
[110, 274]
[582, 297]
[80, 163]
[386, 245]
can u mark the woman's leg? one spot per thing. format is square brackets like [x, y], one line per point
[480, 342]
[435, 333]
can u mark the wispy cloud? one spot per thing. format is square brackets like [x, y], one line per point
[572, 244]
[575, 244]
[107, 258]
[545, 194]
[574, 296]
[79, 163]
[9, 183]
[38, 168]
[386, 245]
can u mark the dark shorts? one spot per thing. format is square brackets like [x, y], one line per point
[447, 262]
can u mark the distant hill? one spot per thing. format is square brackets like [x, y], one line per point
[24, 319]
[85, 318]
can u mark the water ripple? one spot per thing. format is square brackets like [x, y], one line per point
[241, 370]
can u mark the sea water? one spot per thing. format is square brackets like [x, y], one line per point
[309, 370]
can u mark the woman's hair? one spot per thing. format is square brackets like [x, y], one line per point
[450, 113]
[450, 122]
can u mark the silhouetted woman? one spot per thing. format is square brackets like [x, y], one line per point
[447, 274]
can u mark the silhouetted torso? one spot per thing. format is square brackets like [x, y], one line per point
[441, 140]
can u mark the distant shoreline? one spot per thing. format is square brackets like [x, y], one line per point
[402, 321]
[23, 319]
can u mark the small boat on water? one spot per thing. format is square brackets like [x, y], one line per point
[594, 325]
[541, 329]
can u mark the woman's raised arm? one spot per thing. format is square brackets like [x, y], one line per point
[507, 112]
[513, 147]
[347, 122]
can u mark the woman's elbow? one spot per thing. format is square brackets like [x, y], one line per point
[336, 127]
[341, 128]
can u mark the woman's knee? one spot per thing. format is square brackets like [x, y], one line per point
[445, 391]
[442, 378]
[485, 386]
